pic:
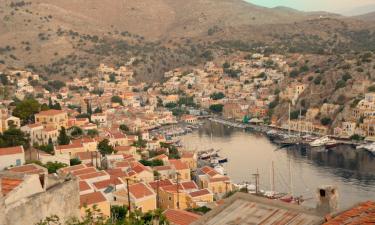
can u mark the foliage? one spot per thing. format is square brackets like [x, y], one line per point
[226, 65]
[14, 137]
[54, 166]
[140, 143]
[26, 109]
[200, 210]
[152, 163]
[217, 95]
[326, 121]
[187, 101]
[294, 115]
[317, 80]
[371, 88]
[105, 148]
[357, 137]
[75, 161]
[340, 84]
[170, 105]
[76, 131]
[63, 138]
[216, 108]
[116, 99]
[124, 128]
[346, 77]
[294, 73]
[46, 148]
[93, 132]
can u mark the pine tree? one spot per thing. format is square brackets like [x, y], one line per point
[63, 138]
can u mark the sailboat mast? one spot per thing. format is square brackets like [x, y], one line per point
[289, 121]
[290, 178]
[273, 177]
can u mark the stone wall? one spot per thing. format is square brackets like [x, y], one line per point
[61, 199]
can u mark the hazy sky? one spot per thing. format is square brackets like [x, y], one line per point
[340, 6]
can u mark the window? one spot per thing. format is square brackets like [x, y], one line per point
[18, 162]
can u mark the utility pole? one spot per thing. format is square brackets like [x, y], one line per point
[157, 192]
[127, 187]
[256, 177]
[178, 191]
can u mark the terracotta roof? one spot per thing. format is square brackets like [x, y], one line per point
[162, 183]
[69, 146]
[84, 171]
[363, 213]
[187, 155]
[117, 172]
[73, 168]
[51, 112]
[105, 183]
[29, 169]
[123, 148]
[180, 217]
[161, 168]
[178, 164]
[199, 193]
[189, 185]
[92, 198]
[8, 184]
[140, 190]
[139, 168]
[11, 150]
[92, 175]
[84, 186]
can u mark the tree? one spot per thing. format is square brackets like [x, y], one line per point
[105, 148]
[116, 99]
[14, 137]
[216, 108]
[294, 73]
[63, 138]
[75, 161]
[54, 166]
[326, 121]
[93, 132]
[124, 128]
[76, 131]
[356, 137]
[152, 163]
[26, 109]
[226, 65]
[217, 95]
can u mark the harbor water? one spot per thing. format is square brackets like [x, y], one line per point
[298, 170]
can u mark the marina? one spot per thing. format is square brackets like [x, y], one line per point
[299, 169]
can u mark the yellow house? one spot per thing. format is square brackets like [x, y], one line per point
[215, 182]
[190, 159]
[95, 200]
[176, 196]
[52, 118]
[6, 120]
[181, 168]
[200, 198]
[142, 197]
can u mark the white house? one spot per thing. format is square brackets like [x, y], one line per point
[12, 156]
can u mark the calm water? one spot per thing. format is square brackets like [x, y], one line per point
[352, 171]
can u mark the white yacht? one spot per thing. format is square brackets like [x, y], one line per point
[323, 141]
[369, 147]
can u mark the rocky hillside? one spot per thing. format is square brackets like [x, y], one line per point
[70, 37]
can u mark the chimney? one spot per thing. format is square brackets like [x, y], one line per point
[327, 199]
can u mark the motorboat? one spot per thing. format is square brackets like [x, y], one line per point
[218, 160]
[220, 169]
[323, 141]
[368, 147]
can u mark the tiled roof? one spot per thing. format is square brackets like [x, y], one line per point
[199, 193]
[105, 183]
[51, 112]
[189, 185]
[180, 217]
[161, 168]
[178, 164]
[363, 213]
[92, 175]
[117, 172]
[29, 169]
[84, 171]
[162, 183]
[73, 168]
[69, 146]
[8, 184]
[11, 150]
[84, 186]
[140, 190]
[92, 198]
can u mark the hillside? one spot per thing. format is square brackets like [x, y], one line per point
[369, 17]
[70, 37]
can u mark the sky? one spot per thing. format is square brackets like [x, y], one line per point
[337, 6]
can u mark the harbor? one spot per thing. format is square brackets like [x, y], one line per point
[299, 169]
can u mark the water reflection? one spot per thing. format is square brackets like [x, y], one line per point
[352, 171]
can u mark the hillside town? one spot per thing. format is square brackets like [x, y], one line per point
[94, 144]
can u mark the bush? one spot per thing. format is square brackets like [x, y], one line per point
[216, 108]
[294, 73]
[326, 121]
[340, 84]
[317, 80]
[217, 96]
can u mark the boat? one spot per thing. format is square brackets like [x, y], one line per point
[368, 147]
[208, 154]
[220, 169]
[324, 141]
[218, 160]
[251, 188]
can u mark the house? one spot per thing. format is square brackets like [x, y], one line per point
[242, 208]
[189, 119]
[190, 158]
[175, 196]
[362, 213]
[52, 118]
[142, 197]
[215, 182]
[25, 188]
[181, 168]
[97, 199]
[100, 119]
[165, 172]
[180, 217]
[200, 198]
[6, 121]
[12, 156]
